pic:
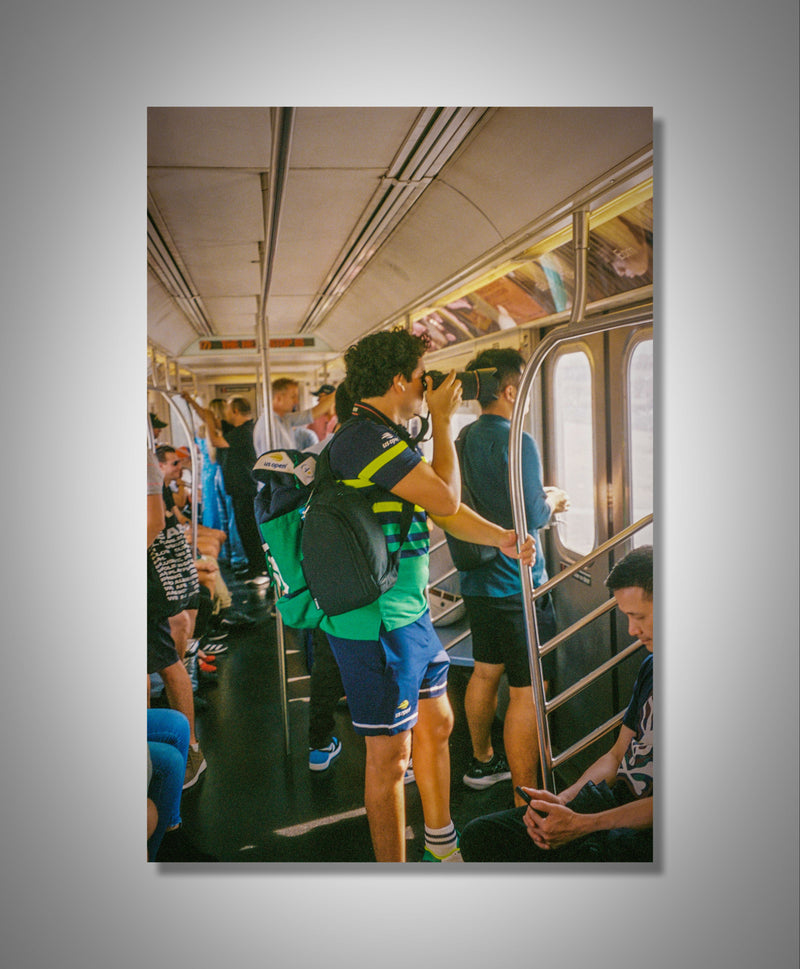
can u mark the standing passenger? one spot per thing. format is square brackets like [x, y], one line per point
[393, 666]
[324, 424]
[233, 439]
[287, 417]
[493, 592]
[233, 553]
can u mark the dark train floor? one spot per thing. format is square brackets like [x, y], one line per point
[255, 803]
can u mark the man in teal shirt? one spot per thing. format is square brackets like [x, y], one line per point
[493, 592]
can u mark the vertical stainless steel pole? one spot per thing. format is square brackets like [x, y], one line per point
[546, 345]
[273, 190]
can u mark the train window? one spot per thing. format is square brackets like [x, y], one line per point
[572, 411]
[640, 434]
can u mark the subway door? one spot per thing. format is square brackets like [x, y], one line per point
[631, 454]
[586, 454]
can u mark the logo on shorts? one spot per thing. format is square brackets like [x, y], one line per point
[401, 708]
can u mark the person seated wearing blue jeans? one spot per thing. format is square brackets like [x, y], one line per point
[607, 814]
[168, 744]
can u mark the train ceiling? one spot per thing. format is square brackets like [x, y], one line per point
[345, 216]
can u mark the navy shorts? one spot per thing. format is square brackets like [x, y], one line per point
[498, 634]
[384, 679]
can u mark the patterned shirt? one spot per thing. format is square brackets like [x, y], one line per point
[636, 770]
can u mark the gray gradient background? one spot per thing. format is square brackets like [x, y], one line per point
[76, 79]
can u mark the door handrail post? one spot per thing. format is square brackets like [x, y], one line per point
[562, 334]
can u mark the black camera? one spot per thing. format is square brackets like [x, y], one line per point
[481, 385]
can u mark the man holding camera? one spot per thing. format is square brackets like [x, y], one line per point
[393, 666]
[493, 592]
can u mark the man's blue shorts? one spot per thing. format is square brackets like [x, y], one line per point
[385, 678]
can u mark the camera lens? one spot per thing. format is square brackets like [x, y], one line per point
[481, 385]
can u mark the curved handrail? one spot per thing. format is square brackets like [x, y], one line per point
[563, 334]
[188, 428]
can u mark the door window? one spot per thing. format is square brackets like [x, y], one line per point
[640, 433]
[574, 450]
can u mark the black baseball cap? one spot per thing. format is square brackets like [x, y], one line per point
[323, 390]
[156, 421]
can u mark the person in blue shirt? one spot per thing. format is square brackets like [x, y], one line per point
[493, 592]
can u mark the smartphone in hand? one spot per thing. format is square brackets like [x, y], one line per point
[527, 799]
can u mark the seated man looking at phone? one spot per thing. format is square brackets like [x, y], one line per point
[607, 814]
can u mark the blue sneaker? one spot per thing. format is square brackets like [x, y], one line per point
[321, 758]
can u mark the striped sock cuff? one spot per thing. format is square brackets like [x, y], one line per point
[441, 841]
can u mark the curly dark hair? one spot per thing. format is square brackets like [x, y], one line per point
[375, 361]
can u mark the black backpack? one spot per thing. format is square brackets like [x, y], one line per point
[325, 548]
[345, 558]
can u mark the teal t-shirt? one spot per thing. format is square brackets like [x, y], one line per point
[486, 466]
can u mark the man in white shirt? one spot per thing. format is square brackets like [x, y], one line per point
[285, 401]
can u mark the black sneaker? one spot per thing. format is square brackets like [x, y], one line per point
[482, 774]
[237, 620]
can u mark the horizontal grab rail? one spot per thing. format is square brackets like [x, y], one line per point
[580, 685]
[588, 740]
[590, 617]
[612, 542]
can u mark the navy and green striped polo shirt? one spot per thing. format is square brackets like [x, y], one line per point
[372, 455]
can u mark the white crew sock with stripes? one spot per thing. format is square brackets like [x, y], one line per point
[441, 841]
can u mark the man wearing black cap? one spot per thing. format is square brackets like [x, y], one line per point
[323, 425]
[157, 424]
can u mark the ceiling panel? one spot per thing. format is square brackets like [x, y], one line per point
[321, 210]
[524, 161]
[225, 270]
[232, 315]
[416, 256]
[166, 325]
[208, 208]
[351, 137]
[209, 137]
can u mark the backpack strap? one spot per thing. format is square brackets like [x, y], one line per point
[324, 477]
[297, 463]
[460, 443]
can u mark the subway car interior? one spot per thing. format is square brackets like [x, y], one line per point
[276, 239]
